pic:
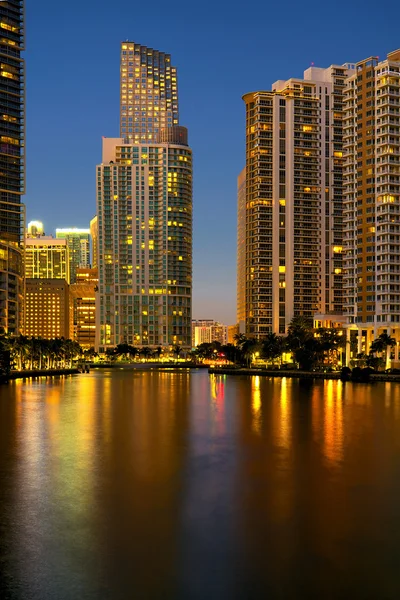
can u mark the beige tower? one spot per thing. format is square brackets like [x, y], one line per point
[372, 199]
[291, 263]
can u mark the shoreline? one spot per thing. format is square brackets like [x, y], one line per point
[303, 374]
[37, 373]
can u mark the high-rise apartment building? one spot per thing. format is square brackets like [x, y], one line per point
[144, 210]
[47, 308]
[292, 209]
[144, 204]
[12, 161]
[78, 241]
[149, 93]
[46, 258]
[372, 199]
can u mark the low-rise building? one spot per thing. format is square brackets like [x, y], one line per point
[47, 308]
[83, 307]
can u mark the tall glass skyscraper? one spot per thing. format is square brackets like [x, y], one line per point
[12, 165]
[149, 92]
[144, 209]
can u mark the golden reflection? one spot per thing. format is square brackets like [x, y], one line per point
[333, 422]
[217, 388]
[256, 405]
[285, 416]
[392, 391]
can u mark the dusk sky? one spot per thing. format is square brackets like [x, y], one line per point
[221, 50]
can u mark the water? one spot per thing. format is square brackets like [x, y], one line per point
[119, 485]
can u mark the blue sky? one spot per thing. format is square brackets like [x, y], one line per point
[221, 50]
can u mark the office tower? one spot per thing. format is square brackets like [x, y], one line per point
[293, 201]
[82, 295]
[78, 241]
[12, 158]
[149, 93]
[207, 331]
[372, 199]
[144, 207]
[34, 229]
[47, 313]
[46, 258]
[94, 236]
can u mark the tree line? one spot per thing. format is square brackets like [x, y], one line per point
[310, 348]
[27, 353]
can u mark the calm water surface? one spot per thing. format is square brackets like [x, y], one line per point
[128, 484]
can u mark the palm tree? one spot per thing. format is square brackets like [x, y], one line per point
[240, 339]
[176, 350]
[133, 351]
[249, 349]
[145, 352]
[273, 346]
[381, 344]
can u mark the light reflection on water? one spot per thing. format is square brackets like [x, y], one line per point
[150, 484]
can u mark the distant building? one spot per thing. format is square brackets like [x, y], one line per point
[34, 229]
[207, 331]
[78, 241]
[47, 308]
[95, 240]
[46, 258]
[83, 307]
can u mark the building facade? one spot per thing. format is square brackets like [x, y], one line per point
[46, 258]
[12, 160]
[78, 241]
[291, 252]
[372, 200]
[94, 236]
[241, 252]
[144, 204]
[144, 211]
[82, 296]
[47, 310]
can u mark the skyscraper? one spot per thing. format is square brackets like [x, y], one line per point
[290, 253]
[372, 199]
[144, 209]
[149, 93]
[78, 241]
[12, 172]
